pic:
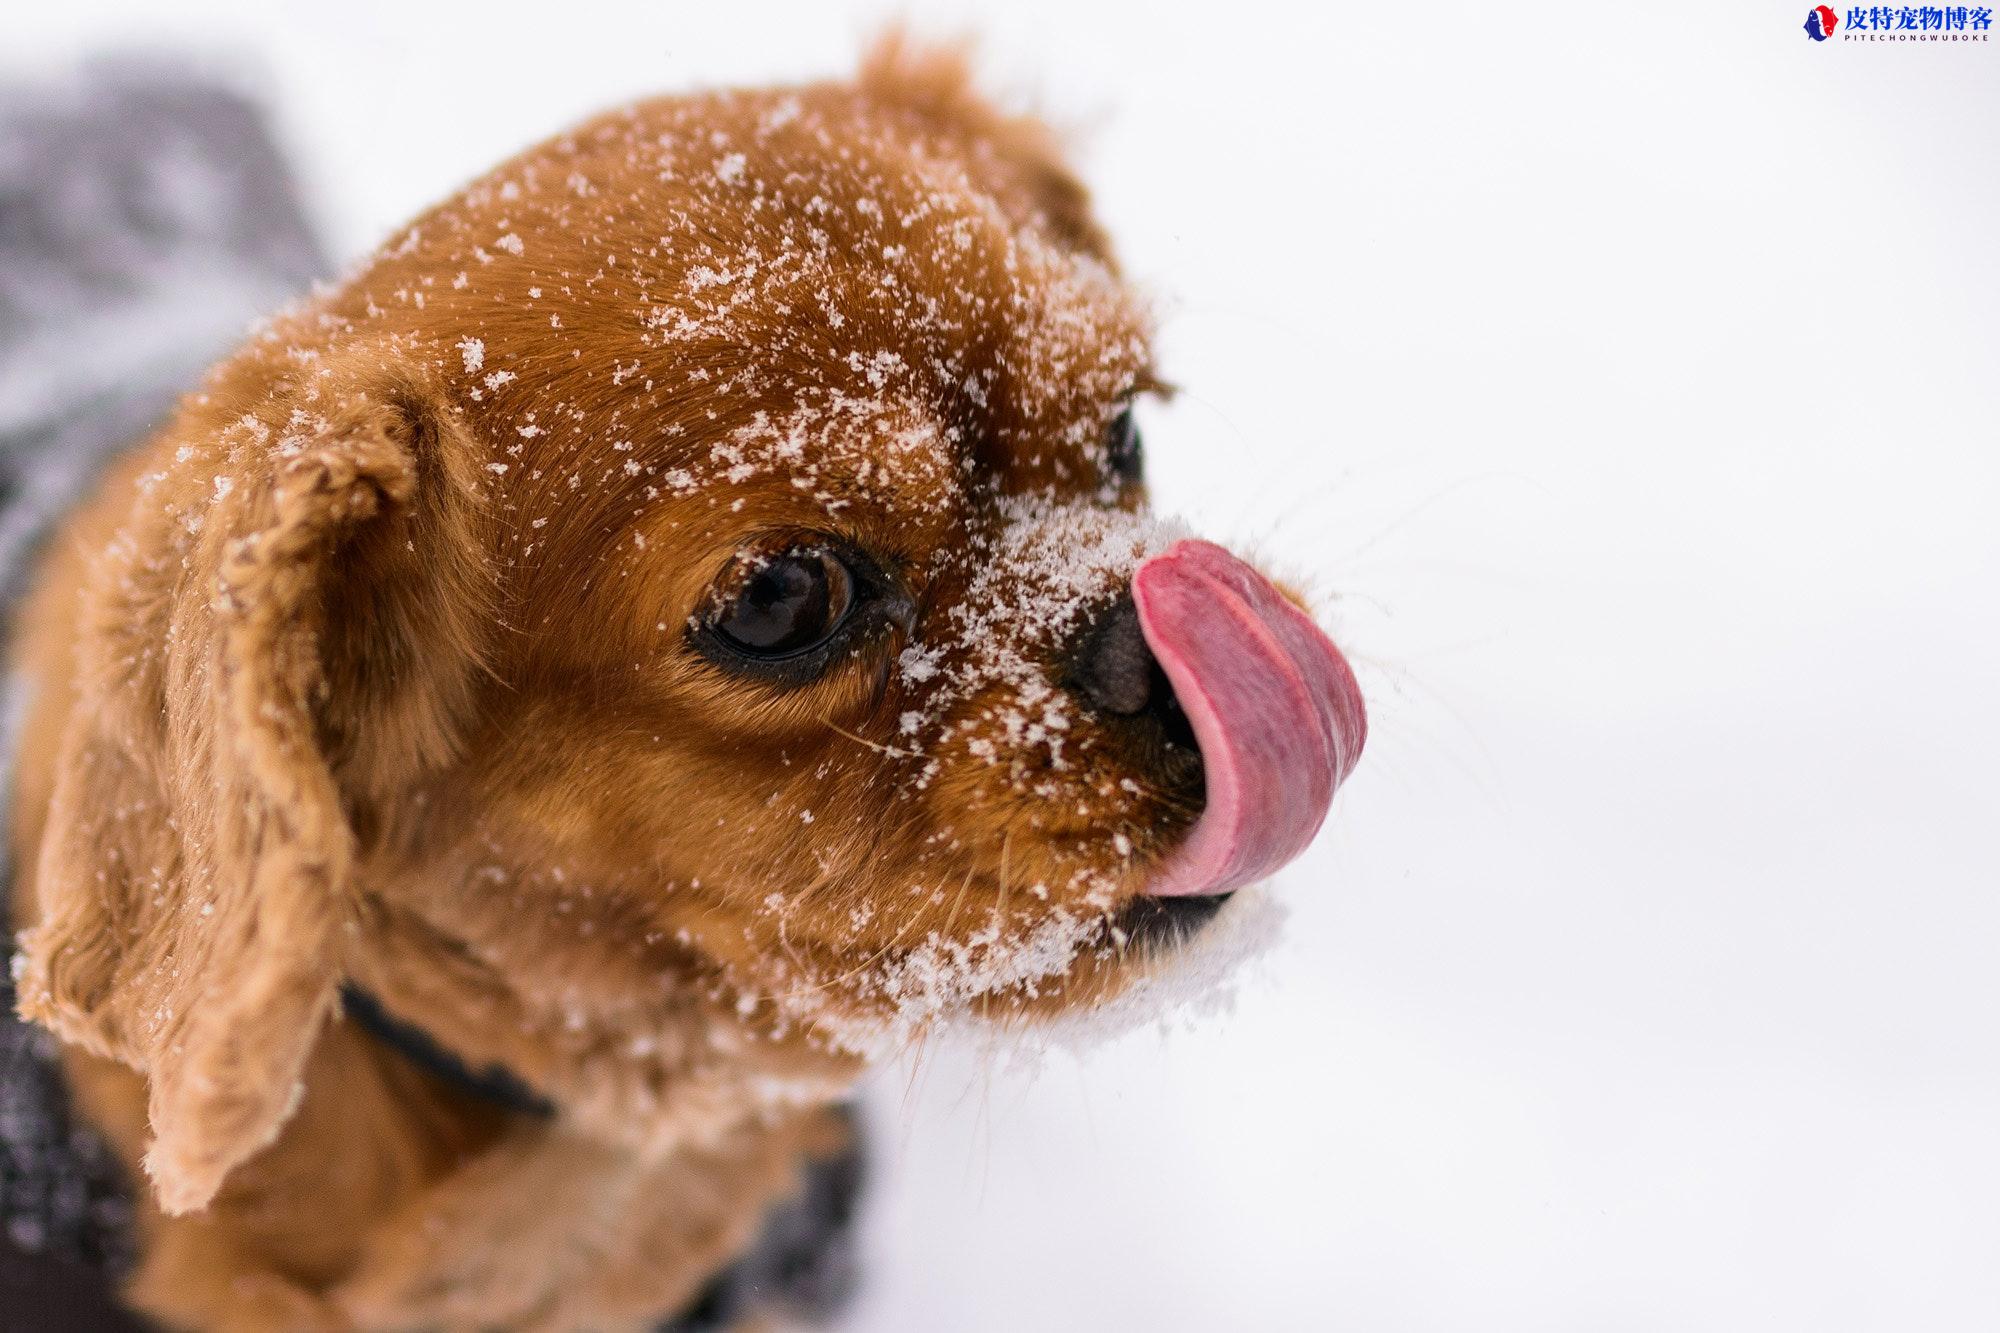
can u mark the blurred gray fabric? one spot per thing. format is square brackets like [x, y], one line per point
[146, 218]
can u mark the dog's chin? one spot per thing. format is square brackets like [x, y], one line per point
[1111, 970]
[1181, 959]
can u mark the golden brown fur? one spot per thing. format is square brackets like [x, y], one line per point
[372, 665]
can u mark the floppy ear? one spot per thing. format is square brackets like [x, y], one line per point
[299, 587]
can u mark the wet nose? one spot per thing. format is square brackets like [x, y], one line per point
[1116, 671]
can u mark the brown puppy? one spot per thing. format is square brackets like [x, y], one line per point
[677, 621]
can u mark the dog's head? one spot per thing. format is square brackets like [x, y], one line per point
[708, 557]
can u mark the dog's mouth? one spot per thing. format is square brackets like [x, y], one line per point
[1274, 708]
[1165, 921]
[1205, 657]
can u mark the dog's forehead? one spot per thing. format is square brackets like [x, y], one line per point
[802, 276]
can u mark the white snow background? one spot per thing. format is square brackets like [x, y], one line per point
[1628, 374]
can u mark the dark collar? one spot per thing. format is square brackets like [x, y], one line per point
[803, 1260]
[495, 1084]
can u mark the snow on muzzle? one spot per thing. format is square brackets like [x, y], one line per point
[1273, 705]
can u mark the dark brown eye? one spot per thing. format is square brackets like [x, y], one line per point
[786, 604]
[1122, 449]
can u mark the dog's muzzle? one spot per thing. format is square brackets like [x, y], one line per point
[1209, 650]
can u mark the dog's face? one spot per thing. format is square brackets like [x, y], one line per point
[822, 503]
[758, 587]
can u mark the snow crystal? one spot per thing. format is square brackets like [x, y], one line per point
[935, 991]
[1033, 585]
[473, 350]
[1196, 979]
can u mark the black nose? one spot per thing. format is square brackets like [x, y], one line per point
[1115, 670]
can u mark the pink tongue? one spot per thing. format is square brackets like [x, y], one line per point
[1273, 705]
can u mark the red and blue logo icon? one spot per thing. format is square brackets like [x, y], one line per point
[1820, 23]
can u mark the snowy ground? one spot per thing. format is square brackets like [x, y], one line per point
[1629, 375]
